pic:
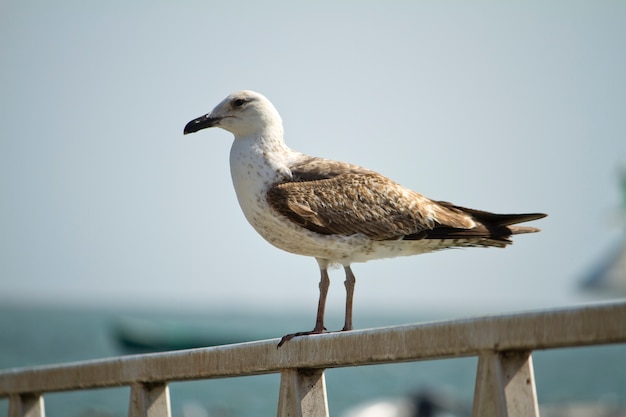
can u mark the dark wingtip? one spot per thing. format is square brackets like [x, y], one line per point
[529, 217]
[504, 219]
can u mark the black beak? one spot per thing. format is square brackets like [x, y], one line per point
[200, 123]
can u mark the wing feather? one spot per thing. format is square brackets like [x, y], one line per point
[330, 197]
[365, 203]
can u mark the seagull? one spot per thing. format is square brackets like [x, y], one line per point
[336, 212]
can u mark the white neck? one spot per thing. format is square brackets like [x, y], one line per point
[255, 163]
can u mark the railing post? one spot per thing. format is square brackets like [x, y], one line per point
[302, 393]
[149, 400]
[505, 385]
[26, 405]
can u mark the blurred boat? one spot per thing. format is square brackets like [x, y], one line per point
[608, 277]
[145, 335]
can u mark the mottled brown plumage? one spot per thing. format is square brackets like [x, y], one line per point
[370, 204]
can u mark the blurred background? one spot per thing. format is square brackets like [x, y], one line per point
[118, 233]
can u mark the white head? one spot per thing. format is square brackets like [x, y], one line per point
[244, 113]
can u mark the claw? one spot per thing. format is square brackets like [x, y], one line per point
[290, 336]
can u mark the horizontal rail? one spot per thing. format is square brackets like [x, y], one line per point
[524, 332]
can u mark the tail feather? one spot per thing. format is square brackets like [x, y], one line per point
[518, 230]
[491, 229]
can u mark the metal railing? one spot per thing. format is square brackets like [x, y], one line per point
[505, 384]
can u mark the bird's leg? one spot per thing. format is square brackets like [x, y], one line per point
[349, 283]
[321, 304]
[321, 307]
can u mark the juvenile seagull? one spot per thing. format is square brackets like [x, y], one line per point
[337, 212]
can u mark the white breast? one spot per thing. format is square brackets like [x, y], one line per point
[253, 171]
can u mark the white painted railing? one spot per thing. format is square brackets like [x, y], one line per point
[505, 384]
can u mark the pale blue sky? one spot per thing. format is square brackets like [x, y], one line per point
[508, 107]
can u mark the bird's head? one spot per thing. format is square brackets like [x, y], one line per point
[243, 113]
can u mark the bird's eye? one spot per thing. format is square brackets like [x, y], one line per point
[238, 102]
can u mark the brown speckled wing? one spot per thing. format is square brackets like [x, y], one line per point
[330, 197]
[352, 203]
